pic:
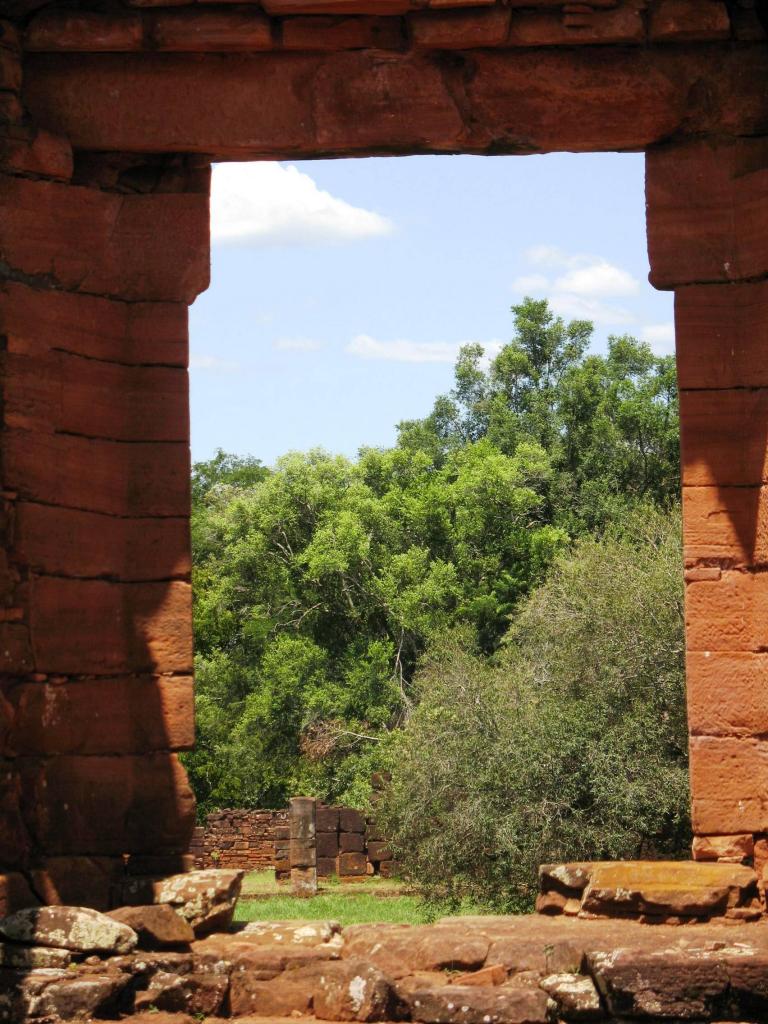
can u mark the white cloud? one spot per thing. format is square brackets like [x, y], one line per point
[661, 338]
[297, 345]
[581, 287]
[201, 361]
[531, 284]
[403, 351]
[267, 203]
[580, 308]
[598, 278]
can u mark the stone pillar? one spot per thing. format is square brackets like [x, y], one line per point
[708, 240]
[303, 848]
[99, 258]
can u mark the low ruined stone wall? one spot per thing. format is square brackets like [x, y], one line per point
[348, 844]
[238, 839]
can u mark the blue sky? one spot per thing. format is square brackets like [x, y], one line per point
[342, 289]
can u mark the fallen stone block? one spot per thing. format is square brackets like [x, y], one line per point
[668, 888]
[575, 995]
[288, 994]
[157, 927]
[493, 974]
[399, 950]
[81, 998]
[206, 899]
[76, 928]
[33, 956]
[667, 983]
[456, 1004]
[353, 990]
[187, 993]
[301, 933]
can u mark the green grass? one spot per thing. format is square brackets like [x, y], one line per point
[375, 899]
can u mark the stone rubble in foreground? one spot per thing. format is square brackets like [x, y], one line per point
[178, 959]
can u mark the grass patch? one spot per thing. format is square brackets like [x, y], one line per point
[375, 899]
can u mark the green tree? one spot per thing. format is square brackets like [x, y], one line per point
[571, 744]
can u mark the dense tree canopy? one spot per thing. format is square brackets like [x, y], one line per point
[569, 744]
[321, 582]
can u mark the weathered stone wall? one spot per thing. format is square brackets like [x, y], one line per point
[348, 844]
[105, 144]
[237, 839]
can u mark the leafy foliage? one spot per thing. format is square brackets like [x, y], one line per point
[320, 583]
[570, 744]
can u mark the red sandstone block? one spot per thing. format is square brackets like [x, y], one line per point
[460, 30]
[351, 820]
[84, 31]
[378, 851]
[10, 70]
[728, 785]
[681, 20]
[219, 31]
[327, 819]
[329, 33]
[37, 152]
[78, 881]
[15, 894]
[131, 333]
[727, 693]
[108, 805]
[15, 841]
[326, 867]
[67, 394]
[377, 7]
[131, 627]
[327, 844]
[351, 842]
[9, 35]
[99, 476]
[707, 212]
[15, 648]
[122, 715]
[725, 525]
[724, 437]
[68, 542]
[722, 335]
[131, 246]
[11, 110]
[729, 614]
[352, 864]
[626, 100]
[551, 28]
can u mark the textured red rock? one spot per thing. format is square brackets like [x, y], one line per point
[220, 31]
[158, 927]
[118, 332]
[738, 849]
[550, 28]
[134, 627]
[131, 246]
[727, 614]
[206, 899]
[726, 526]
[107, 804]
[680, 20]
[462, 30]
[707, 212]
[727, 693]
[68, 542]
[75, 928]
[78, 881]
[353, 990]
[455, 1004]
[727, 785]
[351, 820]
[340, 33]
[364, 104]
[89, 31]
[199, 994]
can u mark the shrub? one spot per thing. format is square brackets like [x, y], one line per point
[571, 744]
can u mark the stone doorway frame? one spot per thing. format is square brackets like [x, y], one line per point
[110, 115]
